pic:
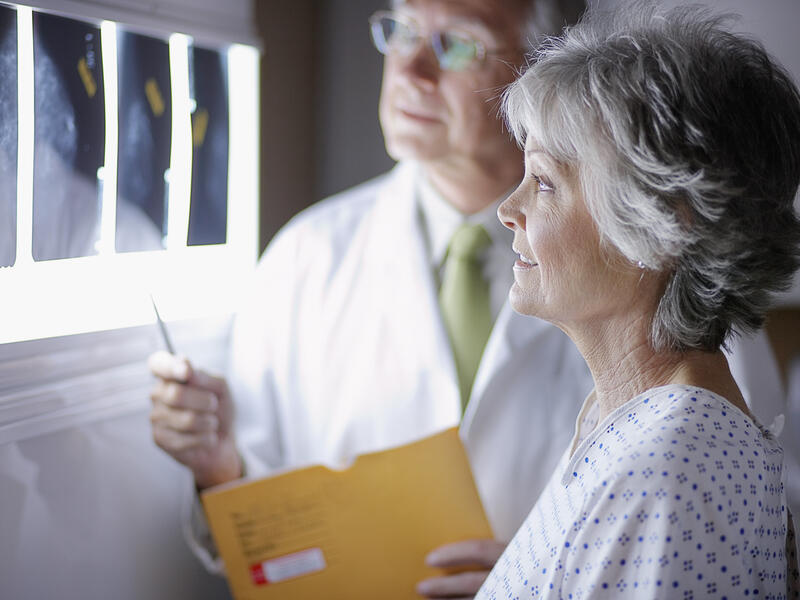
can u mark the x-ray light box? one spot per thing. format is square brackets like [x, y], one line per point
[136, 174]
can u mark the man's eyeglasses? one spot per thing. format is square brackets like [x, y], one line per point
[454, 50]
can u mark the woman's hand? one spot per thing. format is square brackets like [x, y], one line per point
[479, 555]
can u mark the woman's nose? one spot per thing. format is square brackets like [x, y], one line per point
[509, 212]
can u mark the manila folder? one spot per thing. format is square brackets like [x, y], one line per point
[358, 533]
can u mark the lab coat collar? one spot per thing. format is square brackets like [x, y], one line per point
[511, 336]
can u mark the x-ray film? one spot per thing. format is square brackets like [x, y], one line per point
[145, 129]
[208, 215]
[69, 139]
[8, 136]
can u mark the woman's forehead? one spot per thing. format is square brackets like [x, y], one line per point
[534, 149]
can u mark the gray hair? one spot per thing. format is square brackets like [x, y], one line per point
[686, 140]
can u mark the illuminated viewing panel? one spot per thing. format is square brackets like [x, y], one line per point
[117, 172]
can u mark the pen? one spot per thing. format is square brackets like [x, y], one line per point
[163, 327]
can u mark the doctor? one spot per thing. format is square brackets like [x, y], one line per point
[380, 316]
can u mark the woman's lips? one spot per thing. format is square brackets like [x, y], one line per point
[523, 262]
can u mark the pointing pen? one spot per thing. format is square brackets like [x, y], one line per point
[163, 327]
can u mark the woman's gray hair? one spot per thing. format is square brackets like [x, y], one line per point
[686, 139]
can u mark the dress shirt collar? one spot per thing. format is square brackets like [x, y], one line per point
[441, 219]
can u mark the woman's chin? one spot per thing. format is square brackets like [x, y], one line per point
[523, 302]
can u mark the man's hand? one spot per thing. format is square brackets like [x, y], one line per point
[192, 418]
[478, 554]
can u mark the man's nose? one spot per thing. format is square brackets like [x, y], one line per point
[421, 64]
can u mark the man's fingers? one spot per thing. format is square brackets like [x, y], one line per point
[168, 366]
[484, 552]
[192, 419]
[184, 421]
[203, 380]
[175, 442]
[460, 585]
[178, 395]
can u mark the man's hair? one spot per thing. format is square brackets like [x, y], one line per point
[686, 139]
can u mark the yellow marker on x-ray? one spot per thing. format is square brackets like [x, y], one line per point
[154, 97]
[199, 127]
[86, 76]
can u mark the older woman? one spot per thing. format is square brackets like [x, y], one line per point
[655, 220]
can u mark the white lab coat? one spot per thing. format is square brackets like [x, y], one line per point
[340, 350]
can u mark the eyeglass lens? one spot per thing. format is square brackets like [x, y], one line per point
[454, 51]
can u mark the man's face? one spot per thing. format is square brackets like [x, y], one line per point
[430, 114]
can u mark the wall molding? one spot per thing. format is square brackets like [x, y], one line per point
[51, 384]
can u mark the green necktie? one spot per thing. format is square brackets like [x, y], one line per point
[464, 299]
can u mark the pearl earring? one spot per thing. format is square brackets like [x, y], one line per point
[640, 264]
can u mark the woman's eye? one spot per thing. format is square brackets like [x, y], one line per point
[542, 184]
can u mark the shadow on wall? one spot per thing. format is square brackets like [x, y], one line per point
[73, 506]
[350, 147]
[320, 84]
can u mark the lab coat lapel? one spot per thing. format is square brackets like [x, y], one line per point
[416, 327]
[511, 334]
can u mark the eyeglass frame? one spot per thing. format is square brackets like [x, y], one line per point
[433, 39]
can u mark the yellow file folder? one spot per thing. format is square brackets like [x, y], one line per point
[359, 533]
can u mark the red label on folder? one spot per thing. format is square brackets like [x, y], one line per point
[288, 566]
[257, 573]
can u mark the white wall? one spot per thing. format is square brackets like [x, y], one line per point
[89, 507]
